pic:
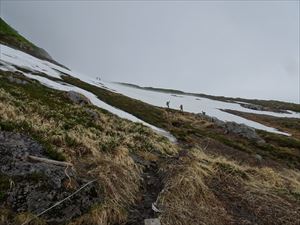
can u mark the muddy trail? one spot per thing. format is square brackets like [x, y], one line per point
[151, 187]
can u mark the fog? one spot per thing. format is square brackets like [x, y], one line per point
[240, 49]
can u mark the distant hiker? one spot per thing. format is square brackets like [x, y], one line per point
[168, 104]
[181, 108]
[203, 113]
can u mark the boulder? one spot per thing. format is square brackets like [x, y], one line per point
[258, 157]
[234, 128]
[17, 80]
[242, 130]
[78, 98]
[33, 186]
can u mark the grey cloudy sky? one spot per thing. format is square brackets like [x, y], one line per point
[233, 48]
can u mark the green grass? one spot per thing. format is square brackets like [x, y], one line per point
[42, 95]
[27, 129]
[10, 37]
[281, 140]
[143, 111]
[110, 145]
[272, 105]
[277, 147]
[7, 32]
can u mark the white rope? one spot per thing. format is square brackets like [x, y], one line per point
[58, 203]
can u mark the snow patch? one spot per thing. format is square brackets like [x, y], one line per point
[12, 59]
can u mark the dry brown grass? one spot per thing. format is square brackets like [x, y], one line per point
[119, 177]
[104, 154]
[186, 198]
[117, 132]
[105, 214]
[201, 189]
[8, 218]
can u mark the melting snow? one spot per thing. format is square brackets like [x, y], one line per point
[11, 59]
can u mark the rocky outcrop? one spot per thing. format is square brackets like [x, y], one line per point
[78, 98]
[234, 128]
[17, 80]
[241, 130]
[93, 114]
[254, 107]
[35, 186]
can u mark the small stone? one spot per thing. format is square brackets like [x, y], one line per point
[16, 80]
[258, 157]
[78, 98]
[50, 196]
[152, 221]
[93, 114]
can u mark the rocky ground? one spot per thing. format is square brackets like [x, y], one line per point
[36, 186]
[145, 207]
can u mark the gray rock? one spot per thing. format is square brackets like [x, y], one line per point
[93, 114]
[234, 128]
[152, 221]
[253, 107]
[258, 157]
[38, 185]
[17, 80]
[242, 130]
[78, 98]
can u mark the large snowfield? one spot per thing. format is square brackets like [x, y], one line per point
[12, 59]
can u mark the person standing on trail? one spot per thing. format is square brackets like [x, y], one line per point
[168, 104]
[181, 108]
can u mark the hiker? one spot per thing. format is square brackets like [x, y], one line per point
[203, 113]
[168, 104]
[181, 108]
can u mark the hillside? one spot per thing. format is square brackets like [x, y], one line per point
[75, 152]
[12, 38]
[269, 105]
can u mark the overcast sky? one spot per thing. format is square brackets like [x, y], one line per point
[237, 48]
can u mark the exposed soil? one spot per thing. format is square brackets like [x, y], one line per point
[151, 187]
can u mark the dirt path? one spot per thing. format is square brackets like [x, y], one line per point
[151, 187]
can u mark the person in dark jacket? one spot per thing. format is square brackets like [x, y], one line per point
[181, 108]
[168, 104]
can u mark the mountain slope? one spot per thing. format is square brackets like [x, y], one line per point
[65, 159]
[266, 105]
[12, 38]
